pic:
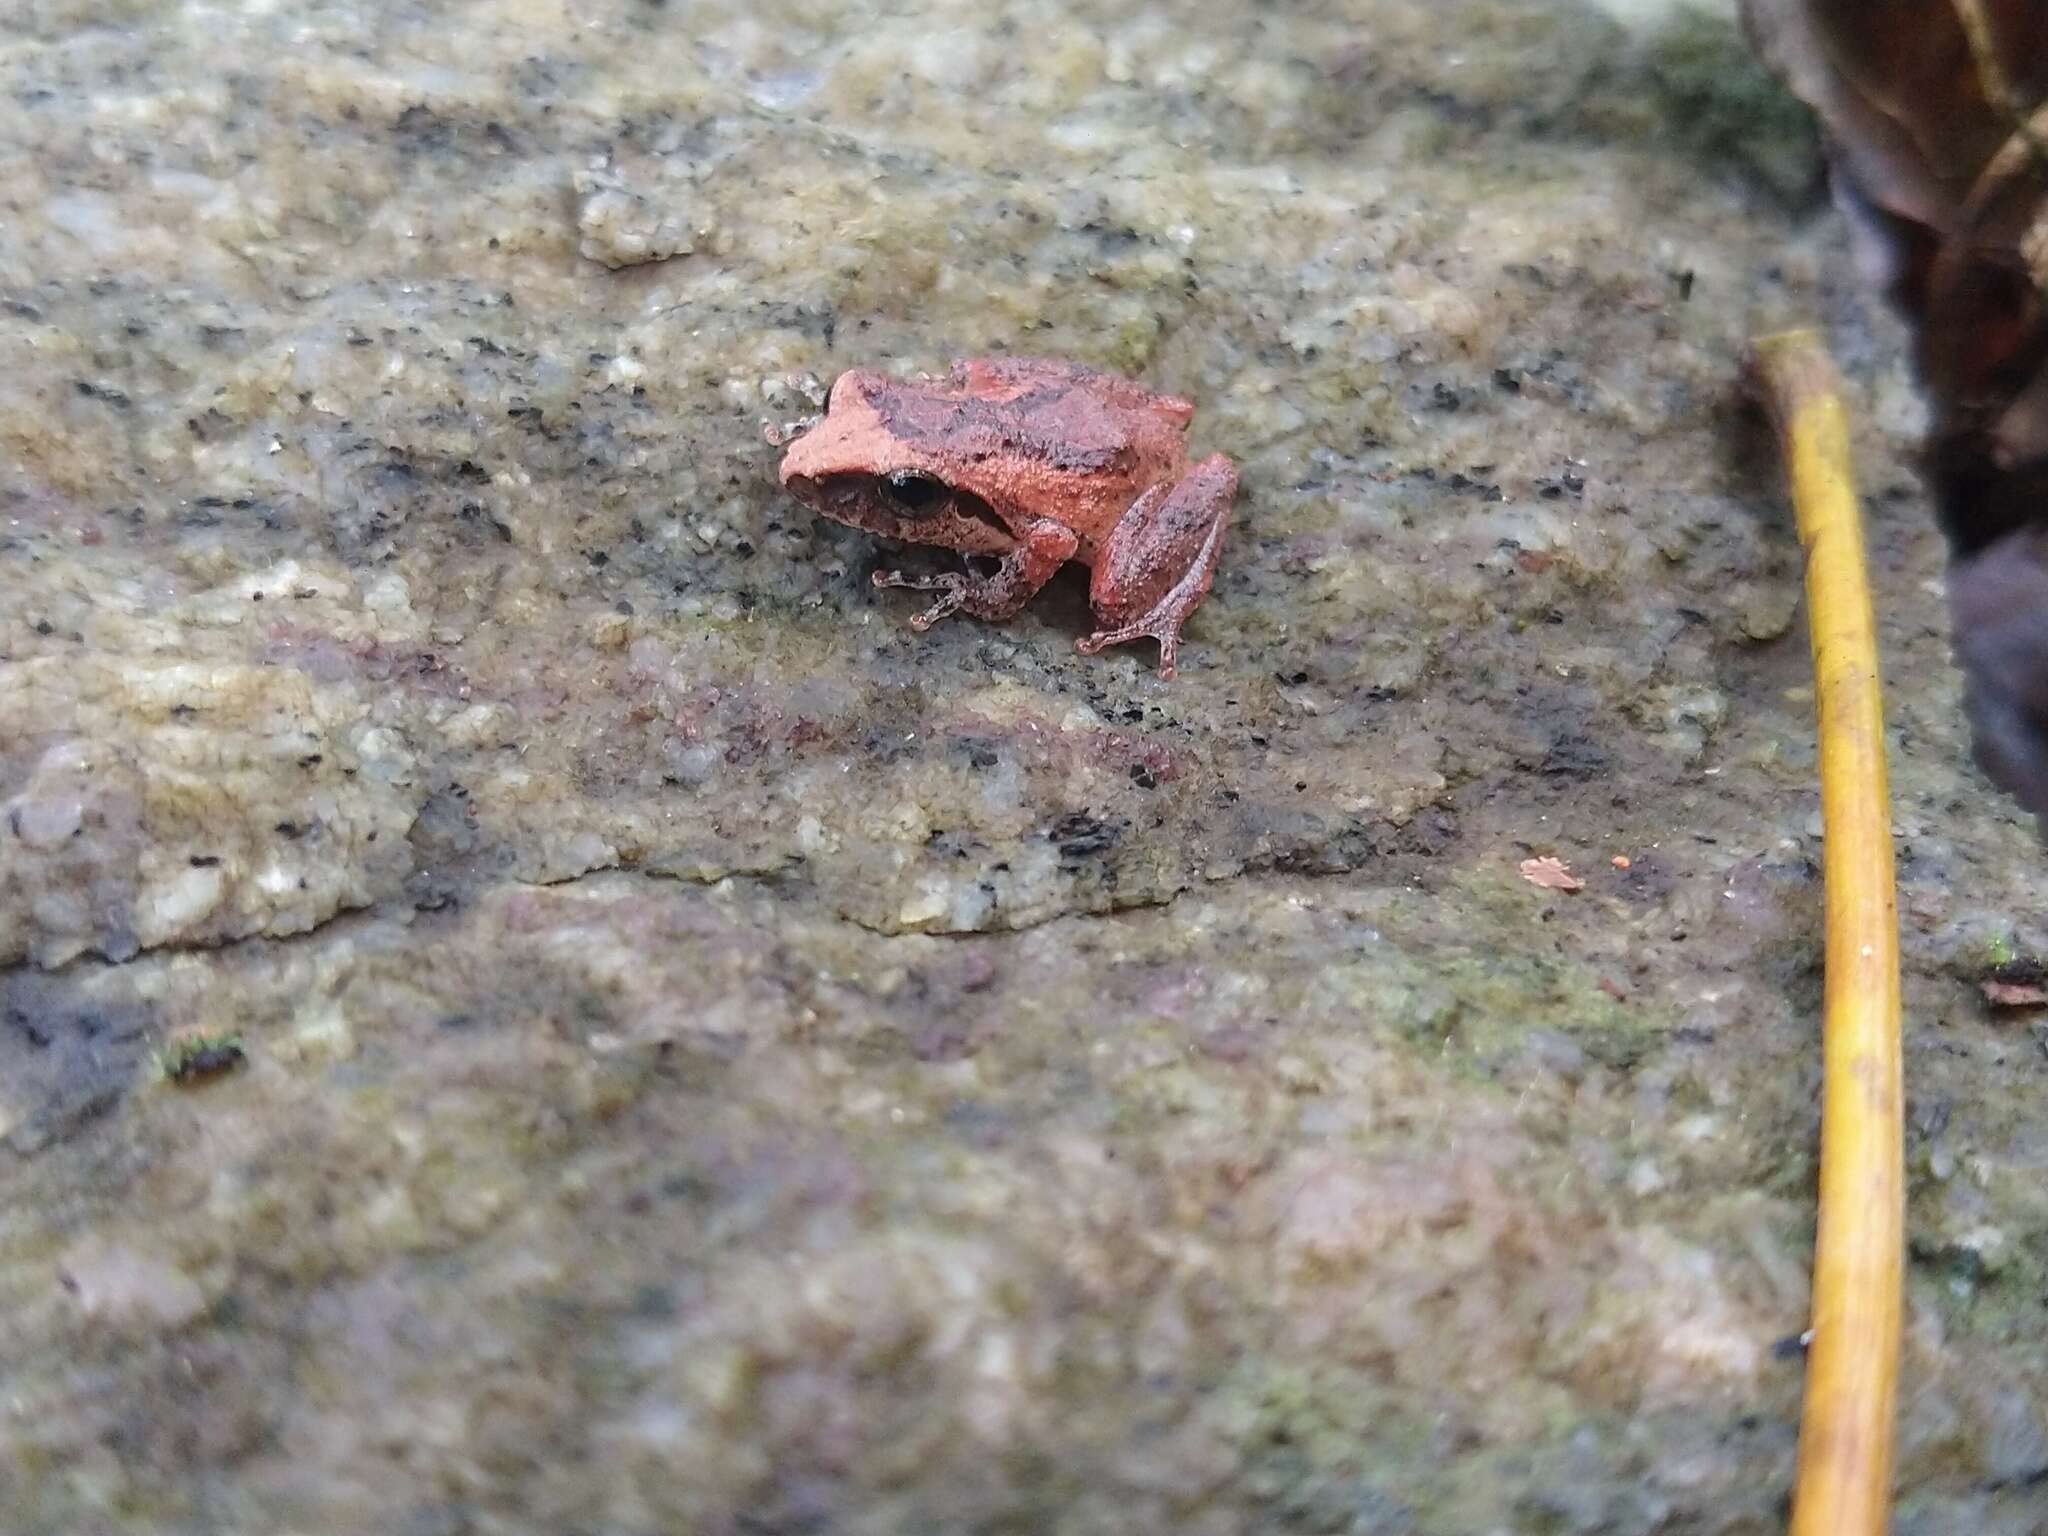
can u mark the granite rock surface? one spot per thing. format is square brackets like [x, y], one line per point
[715, 1060]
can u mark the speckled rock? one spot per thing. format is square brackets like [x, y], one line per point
[716, 1060]
[624, 225]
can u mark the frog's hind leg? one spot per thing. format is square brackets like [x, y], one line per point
[1046, 547]
[1159, 560]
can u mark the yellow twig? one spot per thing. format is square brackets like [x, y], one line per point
[1845, 1437]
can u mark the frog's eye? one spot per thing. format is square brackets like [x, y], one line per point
[914, 494]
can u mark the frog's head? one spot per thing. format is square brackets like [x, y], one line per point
[879, 460]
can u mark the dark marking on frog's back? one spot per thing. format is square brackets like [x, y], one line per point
[1054, 425]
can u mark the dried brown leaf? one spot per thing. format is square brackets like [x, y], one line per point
[2015, 994]
[1936, 116]
[1551, 874]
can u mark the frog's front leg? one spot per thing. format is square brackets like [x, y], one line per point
[1046, 546]
[1158, 562]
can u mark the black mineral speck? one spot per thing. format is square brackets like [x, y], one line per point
[1080, 834]
[204, 1061]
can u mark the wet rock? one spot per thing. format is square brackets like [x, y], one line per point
[946, 1081]
[622, 225]
[129, 1290]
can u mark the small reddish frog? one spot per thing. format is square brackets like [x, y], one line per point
[1030, 463]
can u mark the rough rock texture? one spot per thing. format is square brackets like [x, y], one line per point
[717, 1061]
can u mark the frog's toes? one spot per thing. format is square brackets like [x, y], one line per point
[952, 585]
[1166, 632]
